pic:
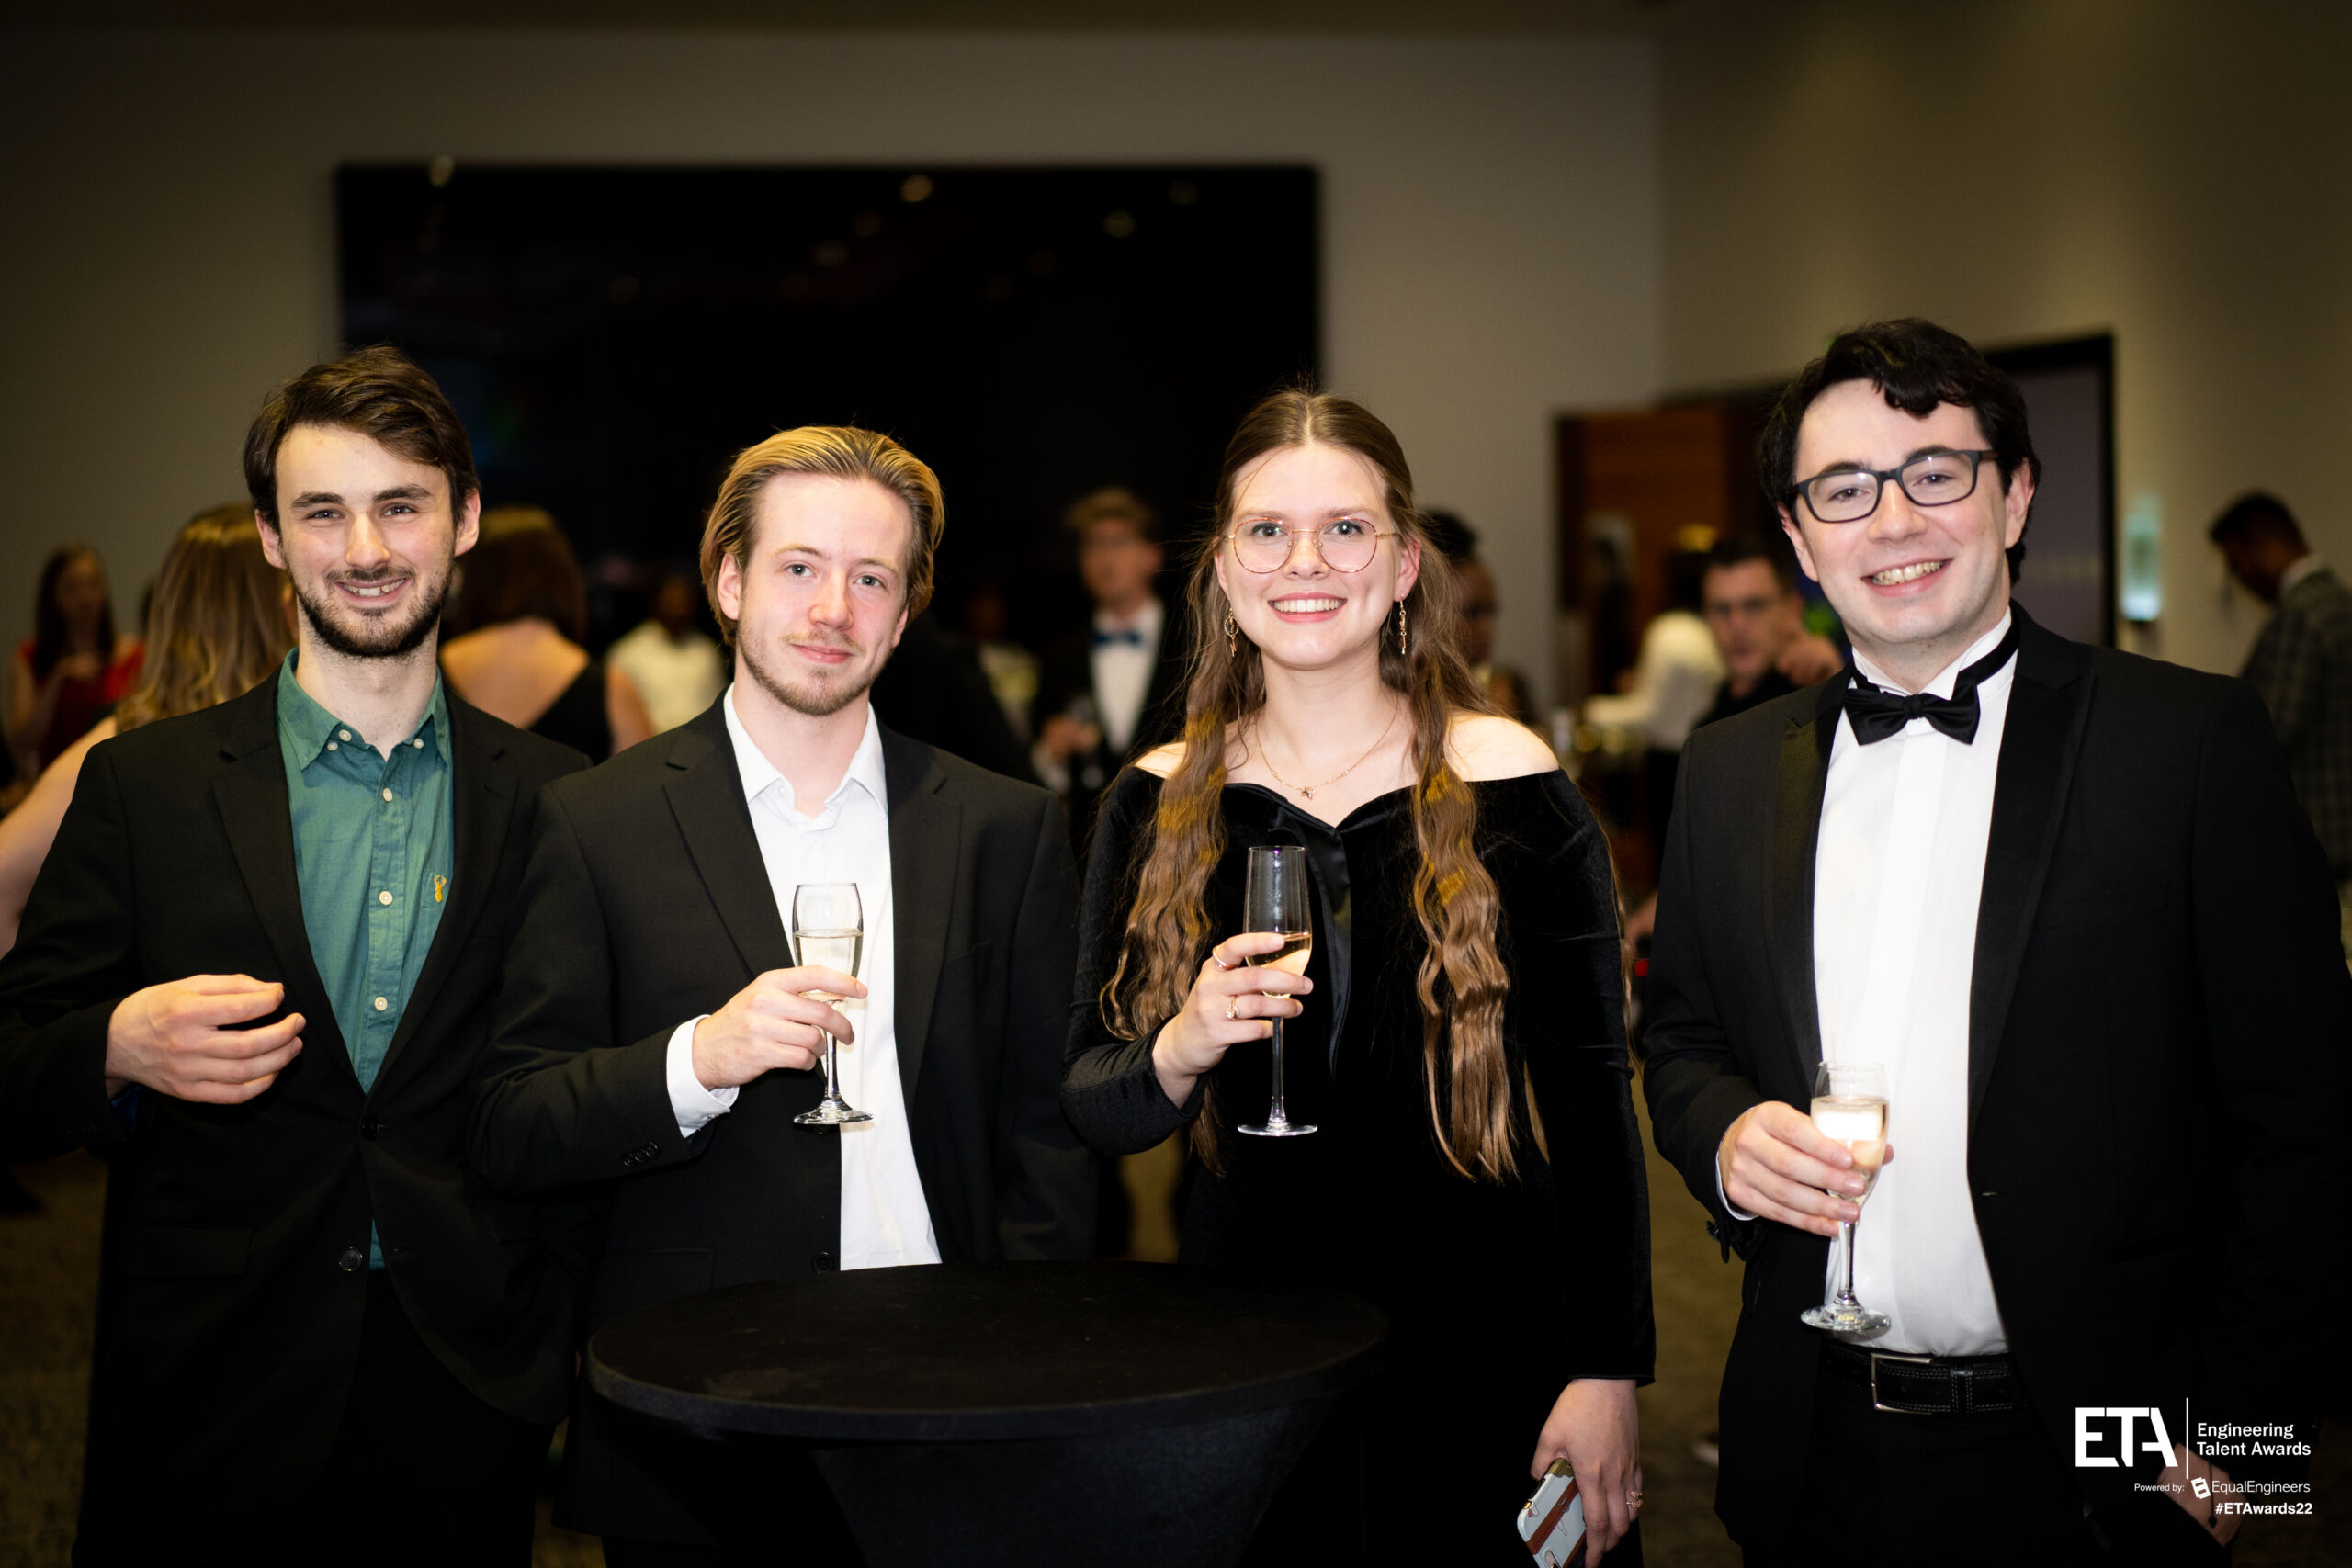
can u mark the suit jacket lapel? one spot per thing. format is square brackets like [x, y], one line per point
[926, 832]
[2049, 706]
[482, 801]
[707, 798]
[1796, 836]
[250, 793]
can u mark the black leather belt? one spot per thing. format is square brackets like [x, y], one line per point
[1925, 1386]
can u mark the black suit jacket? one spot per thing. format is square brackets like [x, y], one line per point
[1066, 673]
[650, 904]
[228, 1318]
[2157, 1022]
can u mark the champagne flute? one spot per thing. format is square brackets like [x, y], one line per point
[1275, 900]
[828, 930]
[1850, 1105]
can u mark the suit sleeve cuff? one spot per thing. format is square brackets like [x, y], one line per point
[695, 1106]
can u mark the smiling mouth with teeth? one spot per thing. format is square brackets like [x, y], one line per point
[1896, 575]
[1307, 606]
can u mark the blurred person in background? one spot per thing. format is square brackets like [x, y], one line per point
[1674, 682]
[2302, 666]
[1757, 617]
[74, 666]
[219, 625]
[520, 617]
[675, 666]
[1481, 604]
[1011, 668]
[1109, 695]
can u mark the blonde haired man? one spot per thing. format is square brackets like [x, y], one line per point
[655, 1038]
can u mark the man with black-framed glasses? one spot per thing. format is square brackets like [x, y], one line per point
[2063, 897]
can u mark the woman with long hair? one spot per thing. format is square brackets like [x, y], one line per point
[1458, 1037]
[219, 626]
[515, 636]
[74, 665]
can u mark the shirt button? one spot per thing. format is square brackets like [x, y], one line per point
[343, 735]
[330, 745]
[381, 1004]
[418, 742]
[384, 897]
[388, 794]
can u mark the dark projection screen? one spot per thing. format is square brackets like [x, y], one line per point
[611, 336]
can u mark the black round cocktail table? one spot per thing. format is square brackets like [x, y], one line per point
[1012, 1413]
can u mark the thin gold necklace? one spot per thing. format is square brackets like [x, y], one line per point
[1306, 792]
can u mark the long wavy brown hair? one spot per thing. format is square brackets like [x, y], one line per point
[1462, 982]
[217, 627]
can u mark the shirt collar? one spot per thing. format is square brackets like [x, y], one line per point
[1145, 620]
[1945, 678]
[759, 774]
[305, 729]
[2300, 571]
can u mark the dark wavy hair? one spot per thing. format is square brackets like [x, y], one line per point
[1916, 365]
[378, 391]
[521, 568]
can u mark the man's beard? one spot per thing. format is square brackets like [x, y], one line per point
[376, 639]
[816, 701]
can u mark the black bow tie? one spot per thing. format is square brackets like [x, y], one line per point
[1130, 635]
[1876, 713]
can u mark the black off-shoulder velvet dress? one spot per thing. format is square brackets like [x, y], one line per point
[1499, 1294]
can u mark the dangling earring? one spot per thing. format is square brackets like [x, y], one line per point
[1232, 648]
[1402, 645]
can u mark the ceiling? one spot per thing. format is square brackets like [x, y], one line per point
[1431, 17]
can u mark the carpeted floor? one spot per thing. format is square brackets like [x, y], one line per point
[47, 1279]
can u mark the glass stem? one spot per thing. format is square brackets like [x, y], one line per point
[1275, 1115]
[1846, 1240]
[832, 1093]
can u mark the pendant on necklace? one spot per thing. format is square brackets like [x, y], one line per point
[1306, 793]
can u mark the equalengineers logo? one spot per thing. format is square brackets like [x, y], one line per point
[2124, 1419]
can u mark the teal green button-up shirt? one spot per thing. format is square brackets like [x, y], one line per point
[374, 849]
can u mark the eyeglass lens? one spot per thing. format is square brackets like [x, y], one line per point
[1932, 479]
[1346, 544]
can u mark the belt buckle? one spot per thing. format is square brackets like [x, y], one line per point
[1878, 1356]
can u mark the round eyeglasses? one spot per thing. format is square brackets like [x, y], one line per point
[1932, 478]
[1262, 544]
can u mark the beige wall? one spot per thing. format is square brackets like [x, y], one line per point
[2179, 173]
[1490, 249]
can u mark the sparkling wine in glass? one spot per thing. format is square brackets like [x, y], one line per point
[828, 930]
[1275, 900]
[1850, 1105]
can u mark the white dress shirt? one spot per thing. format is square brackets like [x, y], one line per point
[1122, 671]
[1674, 684]
[884, 1218]
[1896, 880]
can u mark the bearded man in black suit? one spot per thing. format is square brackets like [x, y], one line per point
[255, 976]
[659, 1043]
[2064, 898]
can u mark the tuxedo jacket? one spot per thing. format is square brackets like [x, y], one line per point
[2158, 1021]
[648, 904]
[232, 1274]
[1065, 673]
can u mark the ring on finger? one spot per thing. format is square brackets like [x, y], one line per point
[1219, 962]
[1229, 1014]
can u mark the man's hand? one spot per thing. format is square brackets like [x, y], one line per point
[1062, 738]
[1777, 1166]
[1809, 657]
[177, 1039]
[1594, 1426]
[772, 1022]
[2206, 1511]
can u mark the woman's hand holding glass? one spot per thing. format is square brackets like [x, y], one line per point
[1227, 1006]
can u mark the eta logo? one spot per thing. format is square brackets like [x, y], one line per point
[2158, 1441]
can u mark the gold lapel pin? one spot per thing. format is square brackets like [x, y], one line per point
[440, 885]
